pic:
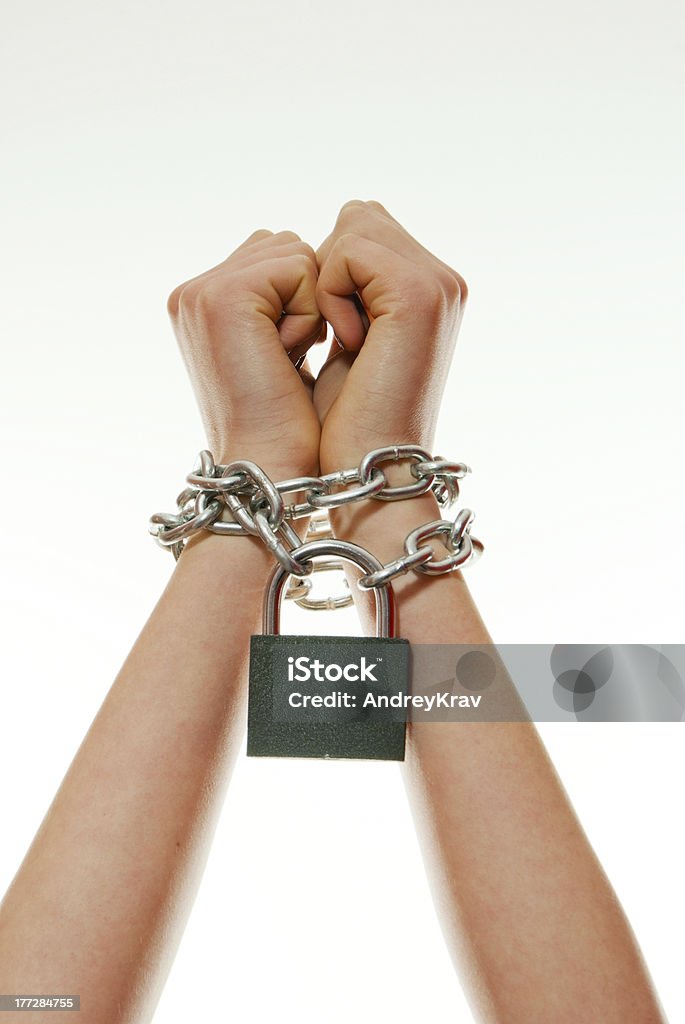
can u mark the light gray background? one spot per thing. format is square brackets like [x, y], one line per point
[537, 148]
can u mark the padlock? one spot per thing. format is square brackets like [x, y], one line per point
[328, 696]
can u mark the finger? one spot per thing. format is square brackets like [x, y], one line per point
[257, 235]
[291, 288]
[284, 243]
[253, 246]
[363, 315]
[260, 234]
[413, 246]
[331, 378]
[260, 241]
[372, 220]
[383, 227]
[380, 276]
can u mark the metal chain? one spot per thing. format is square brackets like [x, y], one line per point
[240, 498]
[319, 528]
[461, 548]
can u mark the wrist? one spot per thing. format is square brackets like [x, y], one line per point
[240, 559]
[385, 523]
[278, 456]
[430, 609]
[229, 555]
[276, 465]
[382, 523]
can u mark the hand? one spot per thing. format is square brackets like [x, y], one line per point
[240, 326]
[386, 385]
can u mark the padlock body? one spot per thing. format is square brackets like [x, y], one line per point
[329, 697]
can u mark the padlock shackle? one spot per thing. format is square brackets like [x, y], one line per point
[386, 607]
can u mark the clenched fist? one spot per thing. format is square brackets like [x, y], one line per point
[385, 386]
[241, 327]
[245, 325]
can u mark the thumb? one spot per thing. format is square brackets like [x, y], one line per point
[331, 378]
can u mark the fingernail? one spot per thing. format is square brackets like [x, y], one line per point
[340, 344]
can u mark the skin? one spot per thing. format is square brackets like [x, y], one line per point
[241, 326]
[112, 872]
[101, 898]
[386, 382]
[531, 920]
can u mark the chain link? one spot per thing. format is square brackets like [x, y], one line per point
[240, 498]
[394, 453]
[319, 528]
[455, 536]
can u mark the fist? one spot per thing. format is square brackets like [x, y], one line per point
[243, 327]
[396, 310]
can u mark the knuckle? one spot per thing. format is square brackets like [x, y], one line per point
[305, 249]
[463, 288]
[210, 299]
[455, 287]
[346, 239]
[305, 265]
[454, 284]
[352, 208]
[259, 234]
[430, 298]
[358, 208]
[287, 236]
[204, 300]
[173, 301]
[199, 297]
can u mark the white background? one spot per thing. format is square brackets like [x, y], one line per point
[537, 148]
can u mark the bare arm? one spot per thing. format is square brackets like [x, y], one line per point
[531, 920]
[100, 901]
[530, 917]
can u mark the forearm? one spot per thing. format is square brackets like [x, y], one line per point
[99, 903]
[531, 919]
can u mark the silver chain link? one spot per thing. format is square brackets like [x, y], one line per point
[240, 498]
[319, 528]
